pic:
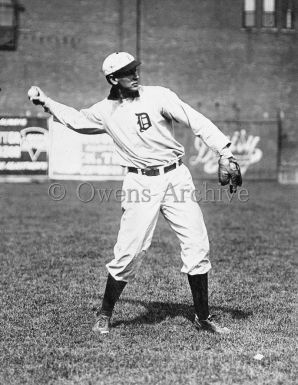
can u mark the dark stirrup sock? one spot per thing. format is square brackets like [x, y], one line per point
[112, 293]
[199, 289]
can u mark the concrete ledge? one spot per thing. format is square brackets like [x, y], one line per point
[23, 179]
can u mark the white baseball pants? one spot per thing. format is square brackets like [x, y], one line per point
[143, 198]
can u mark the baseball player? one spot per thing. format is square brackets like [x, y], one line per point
[139, 120]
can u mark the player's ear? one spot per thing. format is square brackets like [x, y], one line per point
[112, 80]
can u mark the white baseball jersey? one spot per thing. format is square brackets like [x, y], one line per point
[141, 127]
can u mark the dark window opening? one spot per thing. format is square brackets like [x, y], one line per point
[287, 14]
[9, 12]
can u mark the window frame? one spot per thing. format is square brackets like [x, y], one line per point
[244, 14]
[279, 17]
[263, 14]
[10, 32]
[289, 6]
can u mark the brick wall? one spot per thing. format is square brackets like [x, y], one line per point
[196, 48]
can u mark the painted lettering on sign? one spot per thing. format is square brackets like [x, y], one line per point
[23, 146]
[34, 140]
[244, 147]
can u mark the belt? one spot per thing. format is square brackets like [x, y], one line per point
[155, 171]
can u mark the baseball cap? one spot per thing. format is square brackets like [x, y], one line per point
[118, 63]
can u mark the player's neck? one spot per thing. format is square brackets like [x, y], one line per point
[119, 93]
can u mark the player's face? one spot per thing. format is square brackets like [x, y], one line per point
[129, 80]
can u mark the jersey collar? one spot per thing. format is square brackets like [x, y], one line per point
[116, 94]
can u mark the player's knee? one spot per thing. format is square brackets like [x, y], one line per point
[194, 248]
[125, 268]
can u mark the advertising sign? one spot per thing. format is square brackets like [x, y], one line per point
[254, 144]
[23, 146]
[92, 157]
[82, 157]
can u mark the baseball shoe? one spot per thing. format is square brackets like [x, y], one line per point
[102, 324]
[210, 326]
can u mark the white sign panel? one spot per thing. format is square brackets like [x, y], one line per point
[82, 157]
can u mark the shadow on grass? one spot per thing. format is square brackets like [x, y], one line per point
[156, 312]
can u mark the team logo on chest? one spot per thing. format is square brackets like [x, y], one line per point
[144, 121]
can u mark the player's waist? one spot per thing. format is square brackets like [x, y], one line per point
[154, 171]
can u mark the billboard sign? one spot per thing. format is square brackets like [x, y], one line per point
[23, 146]
[254, 144]
[82, 157]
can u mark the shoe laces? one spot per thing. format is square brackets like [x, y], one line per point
[210, 318]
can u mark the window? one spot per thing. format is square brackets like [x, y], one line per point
[6, 13]
[269, 14]
[287, 12]
[9, 10]
[249, 13]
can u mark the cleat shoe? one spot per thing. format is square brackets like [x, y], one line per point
[210, 326]
[102, 324]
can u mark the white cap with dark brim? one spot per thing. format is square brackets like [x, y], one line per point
[118, 63]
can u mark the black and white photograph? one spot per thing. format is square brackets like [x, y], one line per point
[148, 192]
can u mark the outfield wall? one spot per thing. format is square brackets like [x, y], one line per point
[28, 149]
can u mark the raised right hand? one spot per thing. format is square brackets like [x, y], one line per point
[37, 96]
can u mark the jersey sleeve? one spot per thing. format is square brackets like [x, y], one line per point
[85, 121]
[174, 108]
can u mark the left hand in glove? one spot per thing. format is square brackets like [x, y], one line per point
[229, 172]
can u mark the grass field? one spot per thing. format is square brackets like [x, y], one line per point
[53, 256]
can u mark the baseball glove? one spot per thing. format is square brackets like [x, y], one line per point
[229, 172]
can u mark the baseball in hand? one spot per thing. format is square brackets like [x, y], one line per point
[33, 93]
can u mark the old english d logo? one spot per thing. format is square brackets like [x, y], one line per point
[144, 121]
